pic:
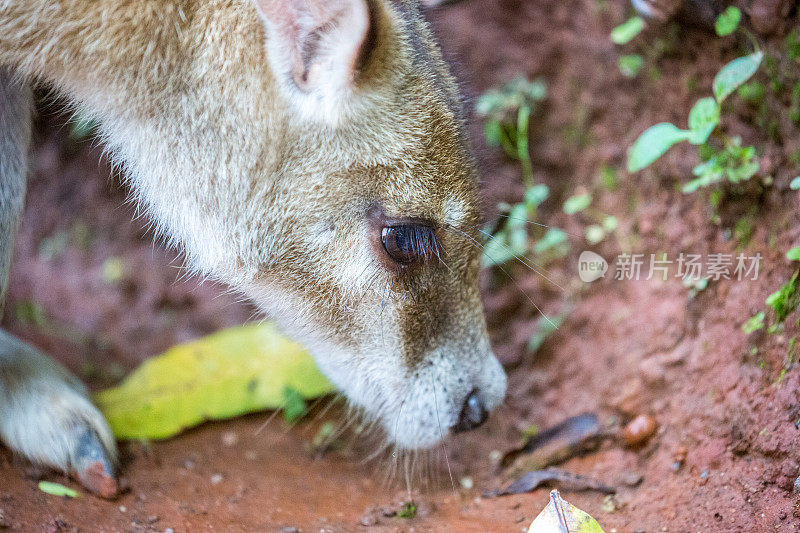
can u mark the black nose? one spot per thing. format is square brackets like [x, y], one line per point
[473, 414]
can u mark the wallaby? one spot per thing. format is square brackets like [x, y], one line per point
[309, 153]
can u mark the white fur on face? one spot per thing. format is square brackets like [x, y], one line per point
[416, 408]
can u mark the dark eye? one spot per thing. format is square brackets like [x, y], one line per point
[410, 243]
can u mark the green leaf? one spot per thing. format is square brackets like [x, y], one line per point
[743, 172]
[630, 65]
[793, 45]
[735, 73]
[795, 183]
[496, 251]
[551, 239]
[577, 203]
[543, 329]
[57, 489]
[626, 31]
[232, 372]
[786, 299]
[653, 143]
[493, 132]
[754, 323]
[408, 510]
[793, 254]
[752, 92]
[703, 118]
[610, 223]
[727, 21]
[560, 515]
[535, 195]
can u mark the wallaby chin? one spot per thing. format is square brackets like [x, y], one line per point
[308, 152]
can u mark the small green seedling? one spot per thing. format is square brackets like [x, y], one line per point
[754, 323]
[543, 328]
[408, 510]
[795, 184]
[512, 240]
[57, 489]
[630, 65]
[786, 299]
[793, 254]
[728, 21]
[625, 32]
[507, 111]
[577, 203]
[793, 45]
[733, 162]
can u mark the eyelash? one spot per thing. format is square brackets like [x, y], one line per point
[422, 241]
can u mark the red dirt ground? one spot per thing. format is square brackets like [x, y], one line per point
[626, 348]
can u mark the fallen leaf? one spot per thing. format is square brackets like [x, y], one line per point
[574, 436]
[232, 372]
[561, 516]
[536, 478]
[57, 489]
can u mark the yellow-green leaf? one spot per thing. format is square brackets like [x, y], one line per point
[57, 489]
[561, 516]
[232, 372]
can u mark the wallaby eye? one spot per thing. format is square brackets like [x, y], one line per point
[410, 243]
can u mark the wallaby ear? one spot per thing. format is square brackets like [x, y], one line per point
[319, 44]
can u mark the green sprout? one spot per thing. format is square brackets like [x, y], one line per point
[507, 111]
[734, 162]
[754, 323]
[786, 299]
[728, 21]
[625, 32]
[408, 510]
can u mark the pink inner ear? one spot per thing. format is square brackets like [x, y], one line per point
[323, 40]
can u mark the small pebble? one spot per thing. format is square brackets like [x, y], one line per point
[153, 518]
[467, 482]
[797, 485]
[216, 479]
[368, 520]
[704, 474]
[230, 439]
[289, 529]
[639, 430]
[123, 509]
[4, 522]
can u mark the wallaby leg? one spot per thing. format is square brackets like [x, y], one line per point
[45, 414]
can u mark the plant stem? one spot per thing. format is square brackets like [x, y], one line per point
[523, 118]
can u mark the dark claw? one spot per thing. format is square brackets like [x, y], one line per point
[91, 466]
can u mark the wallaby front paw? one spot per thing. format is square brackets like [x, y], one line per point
[46, 416]
[91, 464]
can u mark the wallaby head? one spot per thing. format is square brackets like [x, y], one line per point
[310, 153]
[374, 263]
